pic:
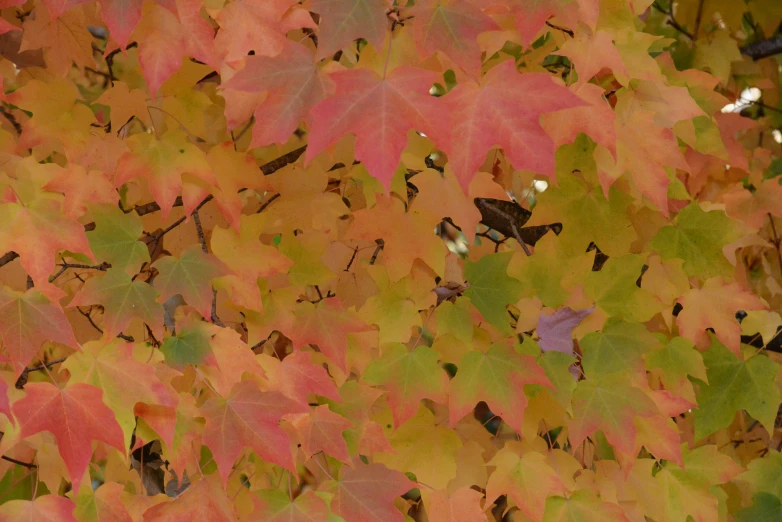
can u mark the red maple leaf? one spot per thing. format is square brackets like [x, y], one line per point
[75, 416]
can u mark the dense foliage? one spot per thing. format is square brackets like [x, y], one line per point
[364, 260]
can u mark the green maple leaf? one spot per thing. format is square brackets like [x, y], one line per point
[698, 237]
[122, 299]
[609, 405]
[765, 508]
[735, 384]
[409, 377]
[496, 377]
[491, 290]
[765, 475]
[678, 359]
[614, 290]
[189, 346]
[115, 238]
[191, 276]
[619, 348]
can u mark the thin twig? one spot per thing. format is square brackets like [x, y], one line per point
[28, 465]
[202, 239]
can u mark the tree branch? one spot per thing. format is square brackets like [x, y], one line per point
[763, 48]
[267, 169]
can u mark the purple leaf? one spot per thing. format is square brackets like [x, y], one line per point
[556, 331]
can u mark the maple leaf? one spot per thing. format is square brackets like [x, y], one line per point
[102, 505]
[698, 238]
[190, 345]
[294, 83]
[425, 447]
[765, 508]
[491, 290]
[121, 17]
[735, 383]
[115, 238]
[234, 171]
[203, 501]
[409, 377]
[75, 416]
[124, 103]
[326, 325]
[190, 276]
[343, 21]
[36, 232]
[65, 38]
[555, 331]
[276, 506]
[296, 377]
[677, 360]
[322, 430]
[609, 405]
[380, 112]
[583, 505]
[504, 110]
[451, 27]
[528, 479]
[247, 26]
[124, 380]
[619, 347]
[405, 237]
[463, 505]
[367, 493]
[249, 417]
[496, 377]
[715, 305]
[162, 163]
[28, 319]
[48, 508]
[80, 188]
[122, 300]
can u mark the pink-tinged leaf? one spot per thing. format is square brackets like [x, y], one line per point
[504, 111]
[596, 120]
[528, 479]
[380, 112]
[496, 377]
[556, 331]
[451, 27]
[321, 430]
[714, 306]
[123, 300]
[609, 405]
[49, 508]
[367, 493]
[163, 162]
[58, 7]
[161, 46]
[5, 405]
[342, 21]
[247, 25]
[36, 232]
[81, 187]
[204, 501]
[463, 505]
[248, 418]
[26, 321]
[326, 325]
[409, 377]
[296, 378]
[75, 416]
[121, 17]
[6, 26]
[191, 276]
[294, 83]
